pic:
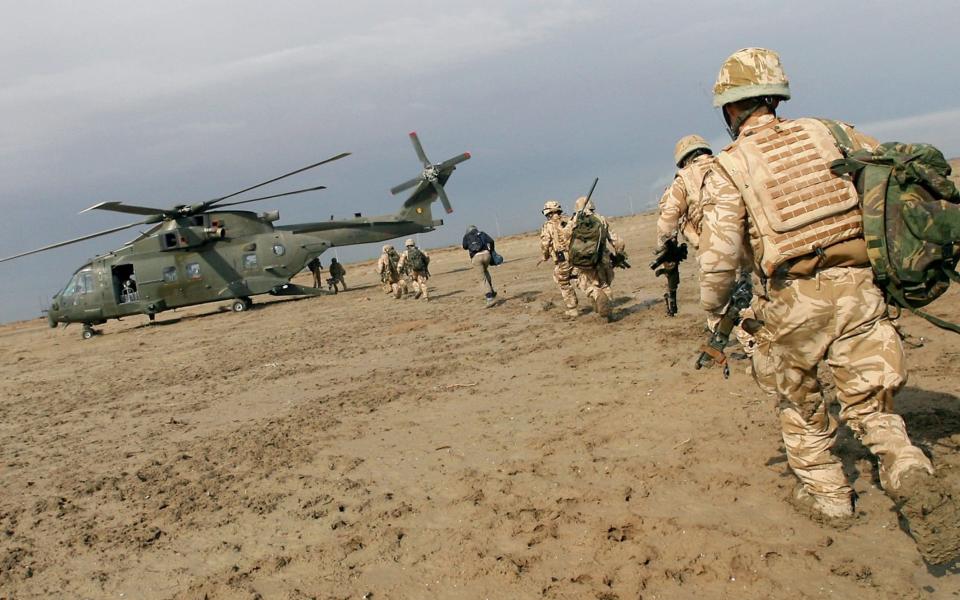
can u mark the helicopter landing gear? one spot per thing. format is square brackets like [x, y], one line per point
[152, 317]
[241, 304]
[88, 332]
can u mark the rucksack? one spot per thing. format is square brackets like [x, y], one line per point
[587, 241]
[474, 242]
[911, 219]
[416, 260]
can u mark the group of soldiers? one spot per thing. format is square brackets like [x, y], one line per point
[403, 273]
[594, 272]
[769, 205]
[337, 274]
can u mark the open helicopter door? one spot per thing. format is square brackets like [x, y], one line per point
[125, 288]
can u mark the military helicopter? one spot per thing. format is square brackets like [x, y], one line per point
[202, 253]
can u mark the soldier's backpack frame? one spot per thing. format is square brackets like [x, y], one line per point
[911, 219]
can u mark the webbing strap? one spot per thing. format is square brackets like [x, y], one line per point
[897, 295]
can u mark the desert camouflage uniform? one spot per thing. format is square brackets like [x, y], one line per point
[418, 279]
[555, 243]
[680, 212]
[815, 306]
[389, 272]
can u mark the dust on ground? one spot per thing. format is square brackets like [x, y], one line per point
[356, 446]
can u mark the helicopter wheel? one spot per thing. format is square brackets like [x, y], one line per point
[238, 305]
[87, 332]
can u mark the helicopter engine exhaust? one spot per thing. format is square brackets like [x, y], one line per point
[215, 233]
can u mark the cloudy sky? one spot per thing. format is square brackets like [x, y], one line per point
[161, 103]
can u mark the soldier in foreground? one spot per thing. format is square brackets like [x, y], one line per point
[680, 209]
[417, 263]
[389, 270]
[592, 252]
[479, 245]
[555, 246]
[337, 273]
[817, 299]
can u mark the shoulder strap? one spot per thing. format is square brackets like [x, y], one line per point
[840, 135]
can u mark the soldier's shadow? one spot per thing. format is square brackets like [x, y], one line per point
[932, 419]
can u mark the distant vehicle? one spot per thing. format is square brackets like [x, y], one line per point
[201, 253]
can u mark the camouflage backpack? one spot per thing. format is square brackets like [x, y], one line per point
[416, 261]
[587, 241]
[911, 219]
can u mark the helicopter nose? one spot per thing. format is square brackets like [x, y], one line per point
[53, 311]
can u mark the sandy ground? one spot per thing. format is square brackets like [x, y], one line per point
[356, 446]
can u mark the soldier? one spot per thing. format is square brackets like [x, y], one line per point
[417, 263]
[388, 268]
[680, 209]
[817, 300]
[555, 246]
[337, 273]
[480, 247]
[315, 268]
[591, 252]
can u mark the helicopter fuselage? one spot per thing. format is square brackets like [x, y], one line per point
[212, 257]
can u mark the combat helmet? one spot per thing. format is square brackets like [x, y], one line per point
[409, 243]
[584, 204]
[750, 73]
[550, 207]
[387, 248]
[687, 145]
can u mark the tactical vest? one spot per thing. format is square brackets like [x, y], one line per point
[692, 177]
[796, 204]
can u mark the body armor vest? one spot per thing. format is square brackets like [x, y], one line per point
[692, 177]
[796, 204]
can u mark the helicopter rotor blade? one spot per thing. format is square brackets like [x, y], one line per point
[419, 149]
[75, 240]
[443, 197]
[215, 201]
[125, 208]
[406, 185]
[456, 160]
[312, 189]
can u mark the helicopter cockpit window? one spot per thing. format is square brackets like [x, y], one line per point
[81, 283]
[279, 250]
[170, 274]
[249, 261]
[192, 270]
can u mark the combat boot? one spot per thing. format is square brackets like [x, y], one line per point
[932, 514]
[670, 299]
[830, 511]
[602, 304]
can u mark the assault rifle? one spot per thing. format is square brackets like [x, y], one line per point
[619, 260]
[670, 252]
[579, 213]
[712, 352]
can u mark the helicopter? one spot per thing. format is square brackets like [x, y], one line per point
[199, 253]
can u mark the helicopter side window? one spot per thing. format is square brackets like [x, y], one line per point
[170, 274]
[193, 270]
[249, 261]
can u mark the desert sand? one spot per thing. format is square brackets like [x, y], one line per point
[356, 446]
